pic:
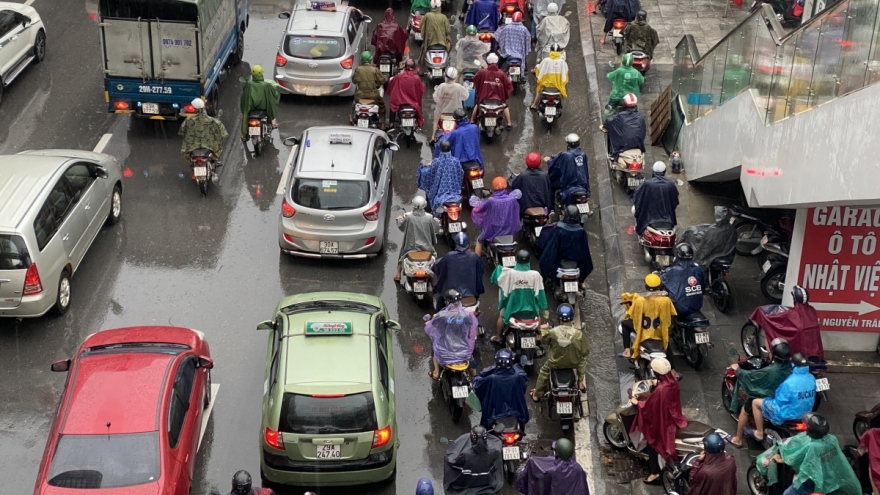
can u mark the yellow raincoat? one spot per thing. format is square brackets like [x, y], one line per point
[651, 317]
[552, 73]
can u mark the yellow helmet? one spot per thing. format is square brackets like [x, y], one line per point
[652, 281]
[257, 70]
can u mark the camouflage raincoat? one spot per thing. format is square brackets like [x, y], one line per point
[639, 35]
[202, 131]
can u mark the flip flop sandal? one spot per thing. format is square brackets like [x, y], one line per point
[496, 341]
[729, 439]
[435, 378]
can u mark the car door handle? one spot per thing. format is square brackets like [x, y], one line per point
[66, 237]
[88, 206]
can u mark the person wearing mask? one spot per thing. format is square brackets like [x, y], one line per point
[559, 474]
[514, 40]
[521, 290]
[483, 14]
[620, 9]
[626, 127]
[653, 310]
[502, 391]
[534, 184]
[817, 459]
[473, 464]
[258, 95]
[497, 215]
[435, 30]
[870, 444]
[453, 332]
[624, 80]
[759, 383]
[448, 97]
[714, 473]
[465, 140]
[389, 37]
[406, 88]
[424, 487]
[242, 485]
[470, 52]
[567, 348]
[200, 130]
[368, 80]
[444, 179]
[658, 418]
[794, 398]
[492, 83]
[419, 231]
[564, 240]
[655, 200]
[639, 35]
[684, 281]
[568, 169]
[553, 29]
[551, 73]
[460, 270]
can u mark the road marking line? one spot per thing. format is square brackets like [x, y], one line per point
[102, 143]
[286, 172]
[215, 387]
[28, 2]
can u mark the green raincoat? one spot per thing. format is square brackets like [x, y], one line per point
[522, 289]
[625, 80]
[435, 29]
[420, 4]
[368, 80]
[819, 460]
[258, 95]
[202, 131]
[759, 383]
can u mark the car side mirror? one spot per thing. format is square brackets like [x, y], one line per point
[266, 325]
[367, 19]
[392, 146]
[291, 141]
[59, 366]
[206, 363]
[284, 15]
[101, 172]
[392, 325]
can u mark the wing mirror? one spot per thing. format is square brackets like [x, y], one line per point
[59, 366]
[291, 141]
[367, 19]
[101, 172]
[392, 325]
[284, 15]
[266, 325]
[392, 146]
[206, 363]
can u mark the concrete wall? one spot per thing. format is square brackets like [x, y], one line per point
[828, 155]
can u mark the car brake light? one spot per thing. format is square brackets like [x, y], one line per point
[619, 24]
[253, 123]
[510, 438]
[372, 214]
[475, 173]
[121, 105]
[287, 211]
[437, 60]
[370, 241]
[189, 109]
[32, 284]
[273, 439]
[348, 62]
[633, 165]
[381, 437]
[280, 61]
[800, 427]
[420, 273]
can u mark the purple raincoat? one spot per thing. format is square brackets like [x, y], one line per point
[453, 332]
[497, 215]
[552, 476]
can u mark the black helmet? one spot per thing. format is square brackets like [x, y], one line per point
[462, 243]
[799, 360]
[713, 443]
[555, 47]
[572, 214]
[452, 296]
[800, 294]
[479, 435]
[641, 15]
[445, 146]
[780, 349]
[564, 449]
[523, 256]
[817, 425]
[241, 482]
[684, 251]
[459, 114]
[504, 359]
[564, 312]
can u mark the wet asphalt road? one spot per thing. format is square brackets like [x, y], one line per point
[213, 263]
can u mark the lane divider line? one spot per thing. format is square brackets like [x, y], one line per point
[28, 2]
[102, 143]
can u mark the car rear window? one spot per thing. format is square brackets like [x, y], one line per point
[13, 253]
[105, 461]
[315, 47]
[331, 194]
[310, 415]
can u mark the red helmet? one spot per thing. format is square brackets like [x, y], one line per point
[533, 160]
[630, 100]
[517, 16]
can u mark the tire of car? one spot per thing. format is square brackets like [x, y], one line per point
[62, 299]
[115, 206]
[40, 46]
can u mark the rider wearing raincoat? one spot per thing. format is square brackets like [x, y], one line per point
[453, 332]
[444, 183]
[552, 72]
[419, 231]
[258, 95]
[389, 37]
[201, 131]
[483, 14]
[553, 28]
[624, 79]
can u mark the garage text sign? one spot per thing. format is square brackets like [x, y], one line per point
[840, 267]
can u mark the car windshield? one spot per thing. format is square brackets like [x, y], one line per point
[310, 415]
[331, 194]
[13, 254]
[105, 461]
[315, 47]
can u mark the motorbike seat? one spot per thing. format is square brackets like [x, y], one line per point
[366, 101]
[694, 429]
[451, 203]
[638, 54]
[504, 240]
[201, 152]
[568, 264]
[437, 48]
[534, 211]
[469, 301]
[419, 255]
[661, 226]
[551, 92]
[405, 108]
[508, 423]
[257, 114]
[652, 345]
[471, 165]
[723, 261]
[695, 319]
[562, 378]
[492, 103]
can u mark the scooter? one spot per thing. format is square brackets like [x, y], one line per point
[617, 35]
[490, 116]
[514, 450]
[774, 269]
[690, 333]
[406, 119]
[866, 420]
[533, 221]
[507, 12]
[388, 65]
[455, 385]
[750, 229]
[472, 181]
[565, 398]
[472, 304]
[649, 350]
[568, 282]
[579, 197]
[415, 24]
[451, 223]
[417, 275]
[641, 61]
[627, 169]
[658, 241]
[719, 289]
[437, 59]
[204, 165]
[259, 131]
[514, 72]
[502, 250]
[520, 335]
[550, 105]
[366, 114]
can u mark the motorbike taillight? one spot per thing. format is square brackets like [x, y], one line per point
[550, 98]
[475, 173]
[510, 438]
[485, 37]
[509, 9]
[364, 109]
[420, 273]
[453, 211]
[618, 24]
[634, 166]
[253, 123]
[200, 160]
[437, 60]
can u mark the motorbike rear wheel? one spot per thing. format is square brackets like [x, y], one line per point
[668, 478]
[721, 296]
[773, 283]
[693, 354]
[614, 435]
[752, 340]
[258, 145]
[860, 426]
[203, 185]
[748, 236]
[756, 481]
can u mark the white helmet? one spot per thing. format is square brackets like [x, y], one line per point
[660, 366]
[198, 103]
[492, 58]
[419, 202]
[451, 73]
[659, 167]
[436, 4]
[552, 8]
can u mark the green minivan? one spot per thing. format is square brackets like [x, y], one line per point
[328, 397]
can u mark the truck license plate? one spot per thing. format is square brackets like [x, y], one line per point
[477, 183]
[822, 385]
[663, 259]
[490, 122]
[420, 287]
[328, 247]
[571, 286]
[150, 108]
[701, 337]
[460, 392]
[329, 451]
[508, 261]
[510, 453]
[551, 111]
[563, 407]
[253, 131]
[409, 122]
[527, 342]
[200, 171]
[583, 207]
[384, 68]
[454, 227]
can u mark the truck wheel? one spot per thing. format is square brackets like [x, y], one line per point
[213, 103]
[237, 54]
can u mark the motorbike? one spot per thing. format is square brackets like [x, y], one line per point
[690, 333]
[520, 335]
[658, 241]
[406, 119]
[533, 221]
[472, 304]
[617, 35]
[514, 450]
[860, 464]
[437, 59]
[455, 385]
[451, 223]
[568, 282]
[565, 398]
[515, 73]
[719, 289]
[866, 420]
[550, 105]
[467, 80]
[507, 12]
[490, 116]
[627, 169]
[417, 275]
[788, 15]
[676, 477]
[750, 229]
[774, 268]
[649, 350]
[204, 165]
[259, 131]
[579, 197]
[366, 114]
[472, 182]
[415, 24]
[501, 251]
[641, 61]
[388, 65]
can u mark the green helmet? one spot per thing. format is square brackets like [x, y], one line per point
[564, 449]
[471, 30]
[627, 59]
[257, 71]
[366, 57]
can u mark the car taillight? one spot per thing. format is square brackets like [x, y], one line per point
[437, 60]
[287, 211]
[348, 62]
[32, 284]
[280, 61]
[121, 105]
[452, 211]
[189, 109]
[381, 437]
[273, 439]
[420, 273]
[372, 214]
[619, 24]
[510, 438]
[634, 165]
[370, 241]
[474, 173]
[254, 123]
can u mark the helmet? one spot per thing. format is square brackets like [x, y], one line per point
[471, 30]
[410, 64]
[552, 8]
[564, 449]
[257, 70]
[419, 202]
[630, 100]
[627, 59]
[641, 15]
[445, 146]
[424, 487]
[800, 294]
[451, 73]
[241, 482]
[459, 114]
[366, 56]
[523, 257]
[555, 47]
[436, 4]
[799, 359]
[461, 241]
[503, 359]
[499, 183]
[780, 348]
[817, 425]
[492, 58]
[660, 366]
[533, 160]
[573, 140]
[571, 214]
[713, 443]
[517, 16]
[684, 251]
[198, 103]
[675, 158]
[652, 281]
[452, 296]
[564, 312]
[659, 167]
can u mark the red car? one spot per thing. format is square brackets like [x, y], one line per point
[130, 416]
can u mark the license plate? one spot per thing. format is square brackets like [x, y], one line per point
[328, 247]
[822, 385]
[417, 36]
[384, 68]
[409, 122]
[363, 123]
[313, 91]
[701, 337]
[527, 342]
[538, 231]
[420, 287]
[477, 183]
[454, 227]
[468, 85]
[633, 182]
[563, 407]
[551, 111]
[766, 266]
[663, 259]
[329, 452]
[571, 286]
[253, 131]
[514, 71]
[436, 72]
[615, 33]
[510, 453]
[460, 392]
[507, 20]
[490, 122]
[150, 108]
[200, 171]
[583, 207]
[508, 261]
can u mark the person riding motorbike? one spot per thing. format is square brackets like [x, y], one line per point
[521, 290]
[658, 418]
[470, 51]
[419, 231]
[258, 95]
[534, 184]
[626, 127]
[870, 444]
[653, 310]
[568, 169]
[514, 41]
[620, 9]
[552, 72]
[241, 485]
[497, 215]
[465, 140]
[655, 200]
[200, 130]
[424, 5]
[792, 399]
[483, 14]
[444, 179]
[424, 487]
[553, 29]
[453, 332]
[553, 475]
[448, 97]
[473, 464]
[684, 281]
[460, 269]
[406, 88]
[624, 80]
[368, 80]
[492, 83]
[567, 348]
[758, 383]
[564, 240]
[435, 31]
[502, 391]
[389, 37]
[714, 473]
[639, 35]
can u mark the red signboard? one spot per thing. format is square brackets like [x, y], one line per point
[840, 267]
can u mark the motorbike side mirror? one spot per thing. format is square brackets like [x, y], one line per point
[444, 441]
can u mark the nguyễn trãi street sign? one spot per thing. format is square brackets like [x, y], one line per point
[328, 328]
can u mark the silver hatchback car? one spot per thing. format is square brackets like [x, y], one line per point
[52, 206]
[320, 49]
[336, 196]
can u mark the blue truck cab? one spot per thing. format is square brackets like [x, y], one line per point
[161, 54]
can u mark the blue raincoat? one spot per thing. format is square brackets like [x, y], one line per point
[655, 201]
[445, 184]
[794, 398]
[552, 476]
[483, 14]
[568, 170]
[535, 187]
[564, 241]
[465, 141]
[684, 282]
[461, 270]
[502, 393]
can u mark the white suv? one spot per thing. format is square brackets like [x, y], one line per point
[22, 40]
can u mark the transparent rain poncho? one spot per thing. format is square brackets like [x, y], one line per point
[453, 332]
[469, 53]
[711, 241]
[819, 460]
